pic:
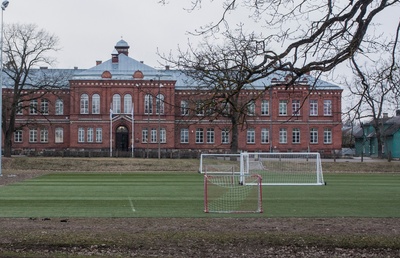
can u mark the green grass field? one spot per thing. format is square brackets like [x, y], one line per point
[181, 195]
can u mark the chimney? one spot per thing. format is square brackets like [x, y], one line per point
[114, 57]
[398, 112]
[98, 62]
[167, 67]
[385, 115]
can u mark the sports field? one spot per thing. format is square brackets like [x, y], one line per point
[173, 194]
[112, 207]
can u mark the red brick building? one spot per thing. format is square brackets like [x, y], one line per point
[122, 105]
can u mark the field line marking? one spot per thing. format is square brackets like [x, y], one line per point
[132, 207]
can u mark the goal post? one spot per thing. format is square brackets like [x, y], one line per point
[288, 168]
[224, 193]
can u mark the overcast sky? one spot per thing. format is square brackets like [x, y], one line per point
[89, 29]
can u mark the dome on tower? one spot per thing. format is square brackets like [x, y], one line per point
[122, 43]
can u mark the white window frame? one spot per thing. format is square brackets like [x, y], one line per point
[59, 135]
[99, 134]
[251, 136]
[283, 107]
[96, 104]
[264, 135]
[282, 135]
[18, 136]
[184, 135]
[265, 107]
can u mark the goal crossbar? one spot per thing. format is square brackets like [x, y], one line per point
[275, 168]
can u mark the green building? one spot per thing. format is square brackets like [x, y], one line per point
[366, 142]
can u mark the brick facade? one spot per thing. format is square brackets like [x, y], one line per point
[122, 83]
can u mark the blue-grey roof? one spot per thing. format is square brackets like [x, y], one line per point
[123, 70]
[185, 82]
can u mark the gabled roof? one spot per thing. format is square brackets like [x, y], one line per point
[121, 70]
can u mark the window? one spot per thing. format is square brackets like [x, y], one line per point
[210, 135]
[148, 104]
[160, 104]
[127, 104]
[99, 135]
[163, 135]
[18, 136]
[251, 136]
[59, 107]
[33, 135]
[44, 107]
[96, 104]
[314, 135]
[145, 135]
[295, 107]
[327, 107]
[282, 107]
[33, 107]
[81, 135]
[90, 132]
[44, 135]
[116, 103]
[200, 108]
[225, 136]
[84, 104]
[282, 135]
[153, 135]
[264, 135]
[296, 135]
[327, 136]
[184, 135]
[313, 107]
[199, 135]
[265, 107]
[251, 108]
[184, 108]
[59, 135]
[19, 108]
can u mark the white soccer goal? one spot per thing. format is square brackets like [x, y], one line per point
[275, 168]
[229, 194]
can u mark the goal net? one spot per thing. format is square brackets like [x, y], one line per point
[231, 194]
[274, 168]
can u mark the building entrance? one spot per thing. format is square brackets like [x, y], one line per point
[122, 138]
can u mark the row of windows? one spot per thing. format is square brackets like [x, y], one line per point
[43, 109]
[251, 136]
[96, 135]
[118, 108]
[40, 135]
[265, 109]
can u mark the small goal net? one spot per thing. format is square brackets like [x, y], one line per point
[232, 193]
[274, 168]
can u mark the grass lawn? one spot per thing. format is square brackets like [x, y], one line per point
[170, 194]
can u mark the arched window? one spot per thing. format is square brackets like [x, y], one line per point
[59, 107]
[96, 104]
[160, 104]
[84, 104]
[148, 104]
[116, 104]
[184, 108]
[127, 104]
[44, 107]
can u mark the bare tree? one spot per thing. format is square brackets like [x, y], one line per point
[309, 35]
[375, 87]
[220, 73]
[26, 48]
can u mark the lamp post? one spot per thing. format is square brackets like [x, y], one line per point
[3, 7]
[159, 117]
